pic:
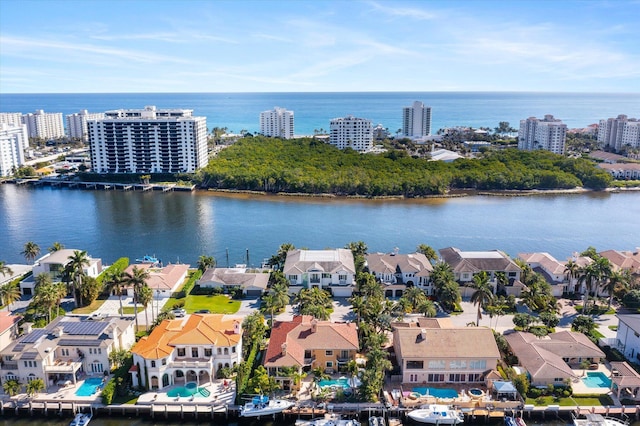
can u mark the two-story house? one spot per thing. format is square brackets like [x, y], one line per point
[332, 270]
[8, 328]
[553, 271]
[399, 271]
[466, 264]
[54, 264]
[628, 336]
[190, 349]
[252, 282]
[434, 352]
[306, 343]
[65, 348]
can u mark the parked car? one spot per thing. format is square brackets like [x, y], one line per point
[203, 311]
[179, 313]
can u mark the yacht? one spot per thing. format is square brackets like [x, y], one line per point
[437, 415]
[329, 419]
[262, 406]
[81, 420]
[598, 420]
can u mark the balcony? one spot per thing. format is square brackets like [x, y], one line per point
[191, 363]
[62, 366]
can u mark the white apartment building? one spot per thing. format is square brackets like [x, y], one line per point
[416, 120]
[148, 140]
[277, 123]
[13, 141]
[44, 125]
[11, 118]
[351, 132]
[549, 134]
[77, 123]
[619, 132]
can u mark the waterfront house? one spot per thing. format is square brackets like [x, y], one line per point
[8, 328]
[550, 360]
[305, 343]
[433, 351]
[54, 265]
[162, 281]
[466, 264]
[332, 270]
[628, 336]
[623, 260]
[65, 349]
[553, 271]
[252, 282]
[190, 349]
[399, 271]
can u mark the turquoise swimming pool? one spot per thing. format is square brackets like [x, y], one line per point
[596, 379]
[89, 387]
[343, 383]
[437, 392]
[190, 389]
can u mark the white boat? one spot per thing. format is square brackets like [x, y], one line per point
[514, 421]
[81, 420]
[329, 419]
[263, 406]
[598, 420]
[437, 415]
[377, 421]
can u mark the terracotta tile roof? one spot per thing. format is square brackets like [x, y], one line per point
[298, 337]
[166, 278]
[623, 260]
[7, 320]
[197, 329]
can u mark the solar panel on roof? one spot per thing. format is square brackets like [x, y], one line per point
[19, 347]
[77, 342]
[85, 328]
[29, 355]
[34, 336]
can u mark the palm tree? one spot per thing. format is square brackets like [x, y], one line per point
[4, 269]
[55, 247]
[116, 281]
[30, 251]
[427, 308]
[270, 304]
[571, 270]
[11, 387]
[145, 296]
[45, 293]
[35, 386]
[428, 251]
[616, 280]
[137, 278]
[9, 293]
[415, 296]
[77, 262]
[483, 294]
[206, 262]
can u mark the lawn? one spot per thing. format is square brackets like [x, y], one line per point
[89, 309]
[218, 304]
[587, 401]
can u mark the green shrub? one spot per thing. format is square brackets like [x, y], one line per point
[195, 276]
[179, 304]
[121, 373]
[119, 265]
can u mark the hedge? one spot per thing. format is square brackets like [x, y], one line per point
[110, 388]
[245, 369]
[119, 265]
[195, 276]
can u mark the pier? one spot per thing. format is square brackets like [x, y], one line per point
[73, 184]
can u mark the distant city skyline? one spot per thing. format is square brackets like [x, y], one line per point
[318, 46]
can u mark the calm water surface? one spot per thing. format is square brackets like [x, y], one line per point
[182, 226]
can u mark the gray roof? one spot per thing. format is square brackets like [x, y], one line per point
[391, 263]
[477, 261]
[327, 261]
[631, 320]
[235, 277]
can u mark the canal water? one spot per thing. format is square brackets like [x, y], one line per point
[179, 227]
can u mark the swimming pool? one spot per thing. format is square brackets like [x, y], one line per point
[596, 379]
[437, 392]
[190, 389]
[89, 387]
[341, 382]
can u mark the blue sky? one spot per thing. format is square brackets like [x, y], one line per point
[50, 46]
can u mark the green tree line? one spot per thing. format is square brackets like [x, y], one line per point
[310, 166]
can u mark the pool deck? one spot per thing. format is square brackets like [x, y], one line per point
[579, 387]
[220, 395]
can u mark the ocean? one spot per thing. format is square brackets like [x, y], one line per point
[313, 111]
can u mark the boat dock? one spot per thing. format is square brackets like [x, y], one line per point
[73, 184]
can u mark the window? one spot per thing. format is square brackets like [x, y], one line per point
[164, 361]
[457, 365]
[329, 364]
[153, 364]
[181, 351]
[307, 354]
[557, 379]
[415, 365]
[65, 352]
[208, 352]
[233, 349]
[342, 278]
[436, 365]
[436, 377]
[479, 364]
[194, 352]
[324, 275]
[328, 353]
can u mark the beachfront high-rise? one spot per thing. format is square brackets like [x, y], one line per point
[77, 123]
[11, 118]
[549, 134]
[44, 125]
[13, 141]
[416, 120]
[277, 123]
[351, 132]
[148, 140]
[619, 132]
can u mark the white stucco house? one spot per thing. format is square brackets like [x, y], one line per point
[332, 270]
